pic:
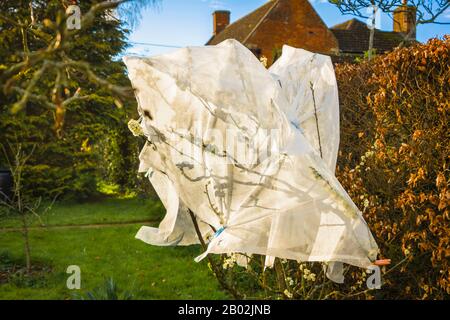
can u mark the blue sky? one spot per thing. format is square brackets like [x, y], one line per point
[189, 22]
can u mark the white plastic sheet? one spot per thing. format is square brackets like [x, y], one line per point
[250, 152]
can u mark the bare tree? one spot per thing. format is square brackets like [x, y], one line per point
[53, 59]
[427, 11]
[17, 202]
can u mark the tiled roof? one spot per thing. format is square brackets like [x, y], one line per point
[353, 37]
[352, 24]
[243, 27]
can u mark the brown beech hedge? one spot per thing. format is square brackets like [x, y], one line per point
[394, 162]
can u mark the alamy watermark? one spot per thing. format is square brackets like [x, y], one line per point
[74, 280]
[374, 280]
[73, 17]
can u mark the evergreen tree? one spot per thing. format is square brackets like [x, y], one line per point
[85, 140]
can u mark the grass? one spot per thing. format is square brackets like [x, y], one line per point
[108, 211]
[148, 272]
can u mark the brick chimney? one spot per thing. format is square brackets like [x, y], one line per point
[221, 19]
[405, 20]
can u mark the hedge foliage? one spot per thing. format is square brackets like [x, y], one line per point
[394, 161]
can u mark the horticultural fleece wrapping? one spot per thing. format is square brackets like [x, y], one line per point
[251, 153]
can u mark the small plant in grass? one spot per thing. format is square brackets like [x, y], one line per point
[108, 291]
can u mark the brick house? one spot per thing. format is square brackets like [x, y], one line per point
[296, 23]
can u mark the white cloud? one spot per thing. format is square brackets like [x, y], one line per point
[318, 1]
[216, 4]
[446, 14]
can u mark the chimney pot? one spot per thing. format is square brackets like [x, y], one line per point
[221, 20]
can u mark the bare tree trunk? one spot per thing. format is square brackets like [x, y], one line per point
[372, 31]
[21, 209]
[26, 242]
[311, 86]
[217, 272]
[280, 275]
[33, 21]
[408, 36]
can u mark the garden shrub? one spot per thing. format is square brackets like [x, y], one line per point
[394, 161]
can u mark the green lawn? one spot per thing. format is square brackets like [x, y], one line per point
[107, 211]
[149, 272]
